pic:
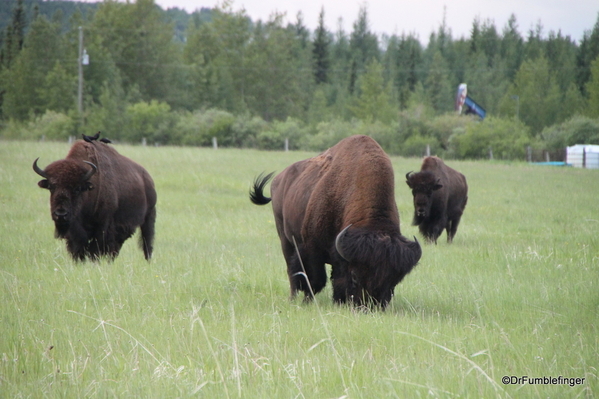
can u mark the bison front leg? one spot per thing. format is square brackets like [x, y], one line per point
[306, 271]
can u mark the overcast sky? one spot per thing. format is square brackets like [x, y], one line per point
[422, 17]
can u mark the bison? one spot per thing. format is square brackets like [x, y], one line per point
[97, 200]
[339, 208]
[440, 196]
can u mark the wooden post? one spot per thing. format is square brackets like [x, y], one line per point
[214, 143]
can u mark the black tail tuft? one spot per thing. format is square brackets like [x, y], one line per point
[257, 189]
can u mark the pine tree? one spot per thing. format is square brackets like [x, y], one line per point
[320, 51]
[588, 51]
[592, 88]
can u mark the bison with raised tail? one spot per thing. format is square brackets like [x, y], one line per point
[97, 200]
[440, 196]
[339, 208]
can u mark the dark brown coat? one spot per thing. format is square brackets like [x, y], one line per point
[339, 207]
[97, 200]
[440, 196]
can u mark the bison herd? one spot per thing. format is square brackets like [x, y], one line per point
[336, 208]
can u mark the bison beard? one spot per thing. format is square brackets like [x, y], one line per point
[339, 208]
[98, 198]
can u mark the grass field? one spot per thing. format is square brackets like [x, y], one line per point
[516, 294]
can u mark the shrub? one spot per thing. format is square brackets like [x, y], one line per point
[152, 121]
[200, 127]
[274, 137]
[577, 130]
[507, 138]
[49, 126]
[327, 135]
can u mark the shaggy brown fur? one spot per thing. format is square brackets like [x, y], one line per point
[350, 184]
[96, 214]
[440, 196]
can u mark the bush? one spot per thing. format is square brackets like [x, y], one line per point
[274, 138]
[327, 135]
[49, 126]
[577, 130]
[246, 129]
[200, 127]
[507, 138]
[152, 121]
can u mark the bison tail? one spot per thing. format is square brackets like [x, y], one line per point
[257, 190]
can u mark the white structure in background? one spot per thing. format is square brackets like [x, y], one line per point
[583, 156]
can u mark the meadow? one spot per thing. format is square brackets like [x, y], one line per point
[516, 294]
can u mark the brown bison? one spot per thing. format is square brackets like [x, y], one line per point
[339, 208]
[97, 200]
[440, 196]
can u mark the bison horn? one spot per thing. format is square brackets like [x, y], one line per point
[339, 244]
[408, 174]
[91, 171]
[38, 170]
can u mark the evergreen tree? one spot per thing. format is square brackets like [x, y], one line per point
[320, 51]
[14, 37]
[42, 48]
[592, 88]
[511, 48]
[374, 102]
[140, 43]
[408, 66]
[438, 86]
[278, 84]
[363, 44]
[588, 51]
[539, 97]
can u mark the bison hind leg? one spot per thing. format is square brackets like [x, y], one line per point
[147, 234]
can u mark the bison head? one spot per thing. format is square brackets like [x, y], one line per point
[423, 184]
[66, 180]
[375, 263]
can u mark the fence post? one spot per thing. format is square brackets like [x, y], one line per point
[214, 143]
[528, 154]
[491, 153]
[286, 145]
[547, 157]
[428, 150]
[143, 141]
[584, 157]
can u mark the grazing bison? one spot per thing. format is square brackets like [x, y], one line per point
[440, 196]
[339, 208]
[97, 200]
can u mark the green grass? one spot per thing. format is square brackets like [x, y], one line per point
[516, 294]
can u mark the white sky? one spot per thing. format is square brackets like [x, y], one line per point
[422, 17]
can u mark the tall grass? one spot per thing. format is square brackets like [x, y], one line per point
[516, 294]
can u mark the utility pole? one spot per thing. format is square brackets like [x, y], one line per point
[82, 60]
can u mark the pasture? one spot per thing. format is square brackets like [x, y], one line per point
[516, 294]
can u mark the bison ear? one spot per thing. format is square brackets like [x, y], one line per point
[437, 186]
[44, 184]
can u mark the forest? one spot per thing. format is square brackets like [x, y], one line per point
[139, 73]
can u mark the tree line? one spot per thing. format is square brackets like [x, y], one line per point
[169, 77]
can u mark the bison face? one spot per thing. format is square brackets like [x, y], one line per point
[66, 180]
[423, 184]
[375, 262]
